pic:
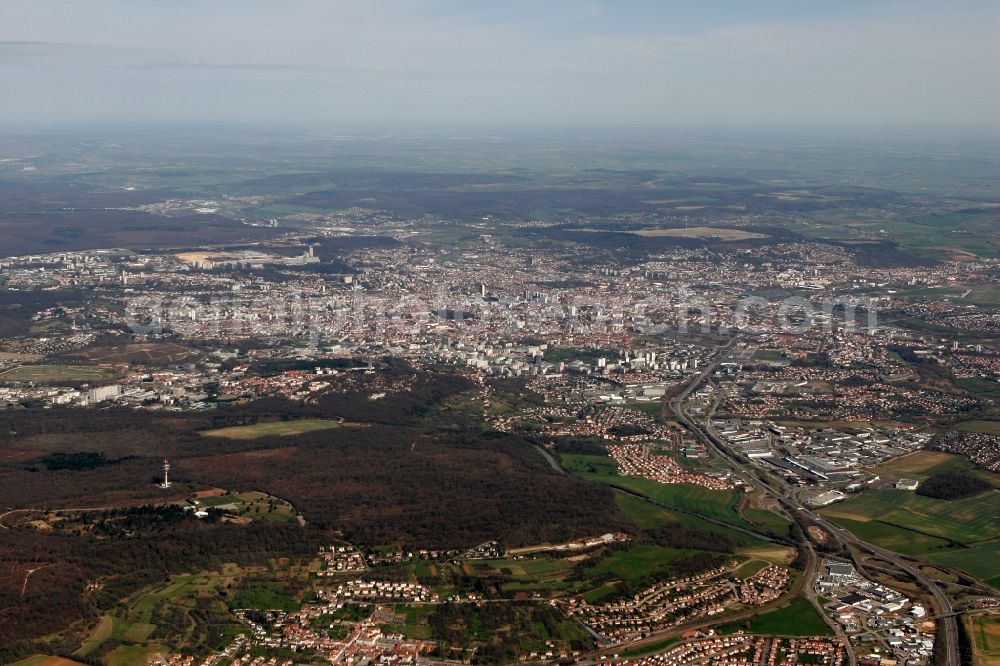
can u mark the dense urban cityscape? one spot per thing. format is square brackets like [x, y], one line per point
[439, 333]
[762, 387]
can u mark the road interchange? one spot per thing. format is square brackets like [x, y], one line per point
[674, 408]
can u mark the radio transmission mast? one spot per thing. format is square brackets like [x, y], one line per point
[166, 474]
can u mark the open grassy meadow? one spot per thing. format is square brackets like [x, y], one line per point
[799, 618]
[541, 574]
[414, 624]
[265, 596]
[51, 374]
[589, 465]
[645, 514]
[776, 554]
[23, 357]
[272, 429]
[252, 504]
[768, 520]
[749, 568]
[158, 353]
[720, 504]
[640, 562]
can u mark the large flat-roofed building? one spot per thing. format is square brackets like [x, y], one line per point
[103, 393]
[824, 498]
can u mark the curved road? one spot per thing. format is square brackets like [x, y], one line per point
[948, 623]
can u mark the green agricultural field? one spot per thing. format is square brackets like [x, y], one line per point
[179, 612]
[50, 374]
[543, 566]
[645, 514]
[922, 464]
[981, 560]
[264, 596]
[640, 562]
[46, 660]
[799, 618]
[984, 387]
[598, 593]
[890, 537]
[415, 624]
[768, 520]
[963, 520]
[132, 655]
[101, 633]
[650, 407]
[532, 567]
[988, 427]
[920, 234]
[530, 574]
[273, 429]
[719, 504]
[984, 633]
[555, 575]
[425, 569]
[913, 525]
[589, 465]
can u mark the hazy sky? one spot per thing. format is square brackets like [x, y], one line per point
[441, 63]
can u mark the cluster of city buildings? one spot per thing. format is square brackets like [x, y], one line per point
[982, 448]
[882, 623]
[339, 559]
[315, 633]
[600, 344]
[828, 457]
[840, 393]
[743, 650]
[367, 591]
[640, 460]
[232, 653]
[498, 311]
[676, 601]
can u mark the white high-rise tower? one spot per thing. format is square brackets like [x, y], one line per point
[166, 472]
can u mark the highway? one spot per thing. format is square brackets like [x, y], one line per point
[674, 409]
[948, 624]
